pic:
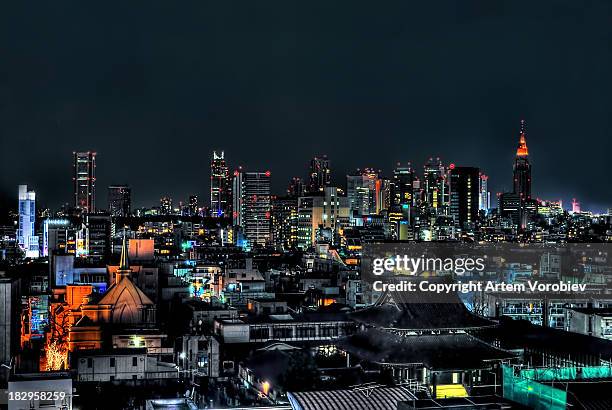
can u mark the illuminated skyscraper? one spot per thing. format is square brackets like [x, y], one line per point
[320, 174]
[165, 205]
[193, 205]
[119, 200]
[284, 222]
[510, 208]
[522, 168]
[84, 179]
[464, 195]
[361, 190]
[220, 186]
[252, 206]
[322, 214]
[26, 236]
[484, 196]
[435, 184]
[296, 188]
[402, 185]
[96, 235]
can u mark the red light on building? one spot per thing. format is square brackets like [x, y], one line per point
[268, 173]
[452, 166]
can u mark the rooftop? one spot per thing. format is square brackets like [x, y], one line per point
[420, 311]
[379, 398]
[438, 352]
[594, 311]
[520, 334]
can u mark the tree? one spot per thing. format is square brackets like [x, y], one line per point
[301, 373]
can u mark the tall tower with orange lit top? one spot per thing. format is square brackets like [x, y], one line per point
[522, 167]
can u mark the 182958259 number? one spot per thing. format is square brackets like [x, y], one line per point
[36, 395]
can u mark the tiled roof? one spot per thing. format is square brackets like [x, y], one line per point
[379, 398]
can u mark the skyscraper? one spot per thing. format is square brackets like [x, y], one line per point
[361, 190]
[252, 206]
[119, 200]
[402, 185]
[296, 188]
[220, 186]
[435, 184]
[84, 178]
[484, 196]
[26, 236]
[193, 205]
[96, 233]
[464, 195]
[322, 214]
[165, 205]
[320, 174]
[510, 208]
[284, 222]
[522, 167]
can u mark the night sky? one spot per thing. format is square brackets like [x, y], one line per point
[155, 86]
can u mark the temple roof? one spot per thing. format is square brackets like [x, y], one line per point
[124, 290]
[420, 311]
[125, 298]
[458, 351]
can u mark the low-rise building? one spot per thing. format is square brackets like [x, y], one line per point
[590, 321]
[121, 365]
[322, 325]
[50, 390]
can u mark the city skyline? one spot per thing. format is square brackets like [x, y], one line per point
[338, 179]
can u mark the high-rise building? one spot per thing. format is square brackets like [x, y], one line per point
[193, 205]
[382, 190]
[284, 223]
[402, 185]
[251, 206]
[320, 174]
[96, 233]
[59, 236]
[464, 195]
[510, 205]
[361, 190]
[84, 178]
[435, 184]
[296, 188]
[165, 205]
[484, 196]
[220, 186]
[119, 200]
[26, 234]
[522, 167]
[320, 214]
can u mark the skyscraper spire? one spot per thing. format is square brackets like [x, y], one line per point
[522, 167]
[522, 150]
